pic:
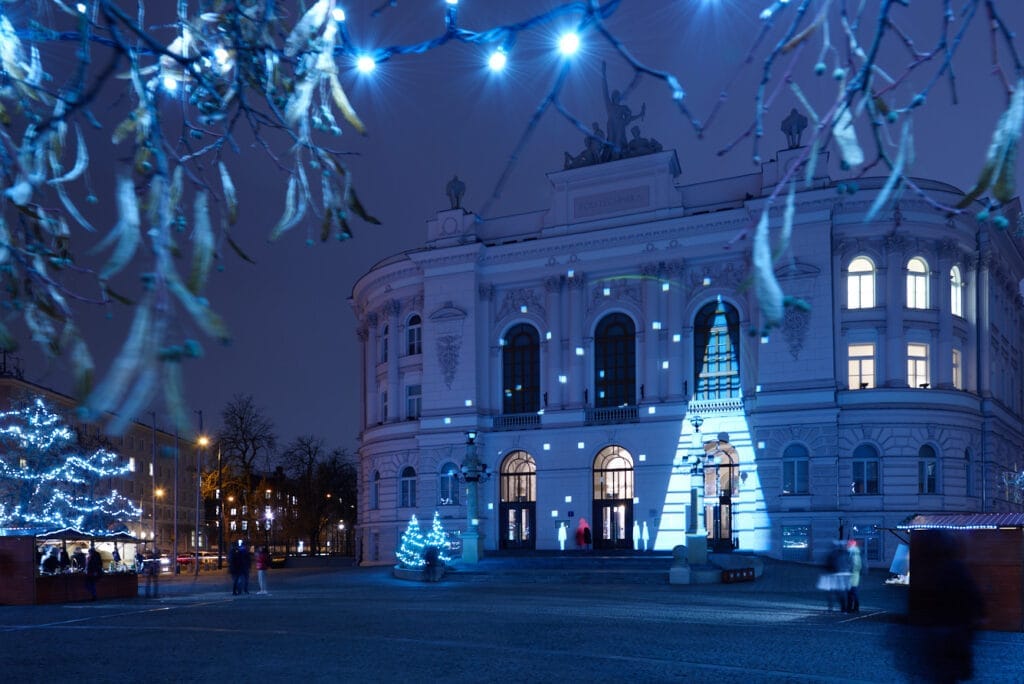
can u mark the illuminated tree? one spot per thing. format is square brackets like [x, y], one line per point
[410, 551]
[47, 482]
[439, 538]
[175, 90]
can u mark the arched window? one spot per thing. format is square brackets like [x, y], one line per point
[956, 292]
[518, 478]
[520, 368]
[860, 284]
[407, 495]
[414, 335]
[448, 485]
[384, 344]
[375, 490]
[615, 361]
[866, 467]
[613, 474]
[917, 284]
[795, 465]
[717, 352]
[927, 470]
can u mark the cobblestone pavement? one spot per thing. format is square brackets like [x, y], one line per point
[565, 618]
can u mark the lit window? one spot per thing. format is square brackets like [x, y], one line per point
[917, 365]
[795, 464]
[927, 469]
[956, 292]
[861, 365]
[917, 284]
[717, 351]
[860, 284]
[414, 335]
[958, 370]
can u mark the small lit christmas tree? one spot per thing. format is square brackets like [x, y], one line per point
[439, 538]
[46, 483]
[410, 553]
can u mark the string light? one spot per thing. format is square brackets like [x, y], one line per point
[497, 60]
[54, 485]
[569, 43]
[410, 552]
[365, 64]
[338, 14]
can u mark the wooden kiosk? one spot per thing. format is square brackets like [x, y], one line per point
[22, 584]
[991, 545]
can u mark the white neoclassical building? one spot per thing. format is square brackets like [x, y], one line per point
[599, 348]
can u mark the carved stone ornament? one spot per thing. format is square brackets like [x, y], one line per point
[515, 300]
[795, 324]
[448, 323]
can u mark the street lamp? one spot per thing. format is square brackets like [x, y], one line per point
[697, 541]
[270, 524]
[473, 472]
[204, 442]
[158, 493]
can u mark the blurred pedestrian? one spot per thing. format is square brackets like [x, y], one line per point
[856, 562]
[93, 571]
[835, 581]
[151, 566]
[50, 564]
[262, 565]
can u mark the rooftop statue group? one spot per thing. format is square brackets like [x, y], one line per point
[599, 147]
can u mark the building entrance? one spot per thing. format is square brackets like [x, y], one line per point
[613, 499]
[517, 509]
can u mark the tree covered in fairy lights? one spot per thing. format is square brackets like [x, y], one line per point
[410, 549]
[47, 482]
[437, 537]
[169, 93]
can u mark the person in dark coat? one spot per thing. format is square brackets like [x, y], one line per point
[93, 570]
[238, 565]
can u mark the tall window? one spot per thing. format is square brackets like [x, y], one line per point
[860, 284]
[927, 469]
[795, 462]
[413, 401]
[917, 284]
[956, 294]
[968, 473]
[865, 470]
[518, 478]
[384, 344]
[958, 370]
[520, 369]
[414, 335]
[917, 365]
[716, 351]
[615, 361]
[861, 365]
[375, 490]
[407, 495]
[383, 407]
[448, 485]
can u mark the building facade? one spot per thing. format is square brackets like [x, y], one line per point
[601, 351]
[161, 477]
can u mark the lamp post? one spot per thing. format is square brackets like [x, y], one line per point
[158, 492]
[697, 541]
[220, 511]
[203, 441]
[473, 473]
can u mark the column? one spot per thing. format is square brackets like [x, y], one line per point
[577, 370]
[552, 345]
[675, 351]
[392, 309]
[651, 358]
[894, 297]
[371, 347]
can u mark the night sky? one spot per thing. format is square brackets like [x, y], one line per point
[434, 115]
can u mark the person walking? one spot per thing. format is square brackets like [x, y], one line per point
[262, 565]
[856, 562]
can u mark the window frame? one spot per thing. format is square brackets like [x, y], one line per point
[448, 484]
[414, 335]
[917, 284]
[860, 284]
[407, 488]
[859, 381]
[796, 458]
[413, 402]
[956, 291]
[927, 470]
[866, 459]
[615, 361]
[520, 370]
[918, 362]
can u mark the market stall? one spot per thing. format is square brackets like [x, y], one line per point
[25, 579]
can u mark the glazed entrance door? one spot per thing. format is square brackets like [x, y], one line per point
[517, 511]
[614, 523]
[517, 521]
[613, 499]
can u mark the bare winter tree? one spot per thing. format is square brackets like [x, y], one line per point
[245, 435]
[324, 482]
[176, 89]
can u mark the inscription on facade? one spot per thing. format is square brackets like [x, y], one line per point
[614, 202]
